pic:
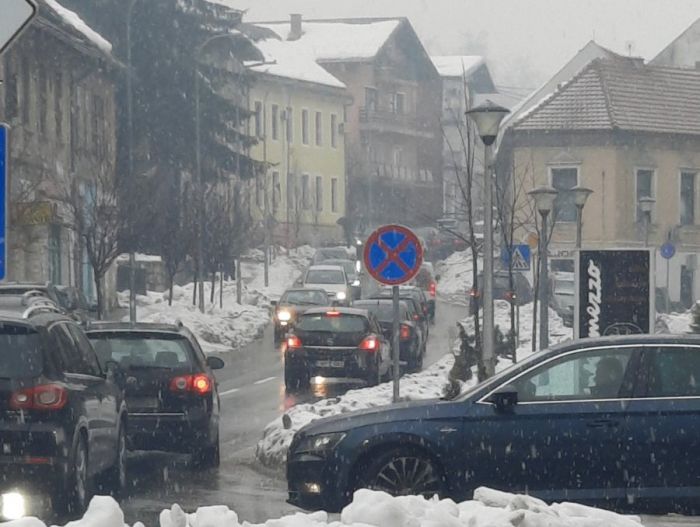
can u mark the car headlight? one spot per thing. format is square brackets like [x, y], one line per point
[319, 444]
[284, 316]
[341, 295]
[13, 506]
[356, 283]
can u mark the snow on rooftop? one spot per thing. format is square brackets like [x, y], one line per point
[294, 60]
[335, 41]
[456, 65]
[72, 19]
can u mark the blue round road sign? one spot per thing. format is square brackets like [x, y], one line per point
[668, 250]
[393, 254]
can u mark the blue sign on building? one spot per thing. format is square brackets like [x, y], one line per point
[4, 155]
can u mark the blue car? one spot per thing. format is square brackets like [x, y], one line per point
[612, 420]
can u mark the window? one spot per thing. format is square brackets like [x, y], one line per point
[305, 191]
[334, 130]
[87, 353]
[334, 194]
[43, 100]
[275, 191]
[305, 127]
[260, 191]
[371, 99]
[258, 119]
[291, 191]
[98, 124]
[564, 179]
[597, 374]
[319, 129]
[398, 103]
[289, 116]
[69, 356]
[275, 111]
[673, 372]
[319, 193]
[58, 100]
[20, 352]
[11, 95]
[645, 182]
[687, 198]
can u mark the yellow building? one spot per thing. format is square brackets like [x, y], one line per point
[298, 120]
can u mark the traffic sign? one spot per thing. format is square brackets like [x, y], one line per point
[393, 254]
[518, 257]
[16, 14]
[4, 156]
[668, 250]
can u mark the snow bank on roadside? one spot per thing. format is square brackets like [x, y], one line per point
[234, 325]
[455, 276]
[489, 508]
[675, 322]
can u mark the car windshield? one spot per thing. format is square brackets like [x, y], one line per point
[324, 276]
[142, 350]
[333, 323]
[347, 265]
[20, 353]
[319, 298]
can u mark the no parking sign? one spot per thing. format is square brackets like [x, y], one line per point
[393, 254]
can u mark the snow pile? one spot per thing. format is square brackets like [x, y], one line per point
[674, 322]
[146, 258]
[234, 325]
[455, 277]
[456, 65]
[489, 508]
[72, 19]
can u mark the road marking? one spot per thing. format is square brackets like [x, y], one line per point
[263, 381]
[228, 392]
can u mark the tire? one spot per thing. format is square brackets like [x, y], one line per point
[74, 497]
[373, 377]
[115, 477]
[416, 363]
[402, 471]
[294, 381]
[207, 457]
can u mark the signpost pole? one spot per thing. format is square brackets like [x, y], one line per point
[397, 342]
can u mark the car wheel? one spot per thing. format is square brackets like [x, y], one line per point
[403, 472]
[373, 377]
[116, 476]
[294, 381]
[207, 457]
[416, 363]
[73, 499]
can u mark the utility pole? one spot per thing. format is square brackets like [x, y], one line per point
[130, 148]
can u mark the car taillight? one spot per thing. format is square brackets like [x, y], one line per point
[293, 342]
[369, 344]
[42, 397]
[416, 317]
[405, 332]
[199, 383]
[432, 288]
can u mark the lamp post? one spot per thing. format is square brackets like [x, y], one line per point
[487, 117]
[580, 196]
[130, 150]
[544, 202]
[646, 205]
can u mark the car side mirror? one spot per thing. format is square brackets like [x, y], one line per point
[215, 363]
[505, 398]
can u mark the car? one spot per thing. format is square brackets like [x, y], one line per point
[412, 343]
[562, 296]
[293, 303]
[601, 421]
[332, 253]
[501, 290]
[70, 299]
[336, 342]
[427, 281]
[352, 273]
[62, 414]
[416, 295]
[170, 388]
[330, 278]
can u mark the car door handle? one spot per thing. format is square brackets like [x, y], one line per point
[602, 423]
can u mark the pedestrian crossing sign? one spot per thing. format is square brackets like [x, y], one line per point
[518, 257]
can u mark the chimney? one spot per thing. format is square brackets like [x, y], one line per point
[295, 27]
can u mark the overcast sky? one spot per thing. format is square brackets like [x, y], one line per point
[525, 41]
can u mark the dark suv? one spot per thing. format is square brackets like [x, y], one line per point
[62, 417]
[68, 298]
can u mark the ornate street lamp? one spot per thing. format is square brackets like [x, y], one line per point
[580, 196]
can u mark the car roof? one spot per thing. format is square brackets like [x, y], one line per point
[138, 327]
[334, 261]
[341, 310]
[324, 267]
[25, 286]
[304, 290]
[34, 321]
[617, 340]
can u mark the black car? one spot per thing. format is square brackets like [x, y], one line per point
[335, 342]
[293, 303]
[521, 295]
[170, 388]
[426, 280]
[70, 299]
[62, 415]
[415, 295]
[612, 420]
[411, 339]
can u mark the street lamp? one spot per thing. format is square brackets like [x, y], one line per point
[646, 205]
[580, 196]
[487, 117]
[544, 202]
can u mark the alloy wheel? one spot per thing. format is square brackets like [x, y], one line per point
[407, 475]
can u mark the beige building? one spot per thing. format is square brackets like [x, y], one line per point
[627, 131]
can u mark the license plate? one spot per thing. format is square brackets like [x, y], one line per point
[143, 403]
[330, 363]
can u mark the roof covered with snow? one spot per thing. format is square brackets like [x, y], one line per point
[340, 40]
[73, 21]
[456, 65]
[626, 95]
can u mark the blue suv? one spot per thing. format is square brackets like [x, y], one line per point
[613, 420]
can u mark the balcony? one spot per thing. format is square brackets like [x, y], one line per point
[399, 123]
[401, 174]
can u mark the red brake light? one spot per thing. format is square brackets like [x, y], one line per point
[293, 342]
[369, 344]
[199, 383]
[332, 313]
[43, 397]
[433, 288]
[405, 333]
[416, 317]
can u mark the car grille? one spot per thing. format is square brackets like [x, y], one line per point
[330, 352]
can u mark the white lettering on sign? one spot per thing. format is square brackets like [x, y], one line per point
[595, 293]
